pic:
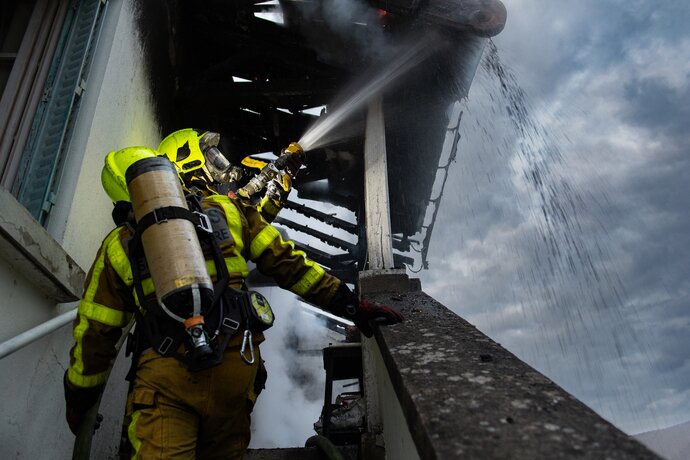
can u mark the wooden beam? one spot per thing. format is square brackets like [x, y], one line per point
[376, 199]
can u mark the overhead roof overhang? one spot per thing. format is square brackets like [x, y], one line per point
[252, 80]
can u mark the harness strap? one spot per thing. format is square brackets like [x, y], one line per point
[165, 213]
[159, 331]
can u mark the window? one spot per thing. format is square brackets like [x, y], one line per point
[28, 34]
[49, 45]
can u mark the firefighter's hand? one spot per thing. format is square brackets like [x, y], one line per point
[78, 402]
[75, 417]
[276, 192]
[291, 161]
[294, 163]
[365, 312]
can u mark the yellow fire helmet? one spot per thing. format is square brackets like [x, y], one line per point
[116, 164]
[195, 150]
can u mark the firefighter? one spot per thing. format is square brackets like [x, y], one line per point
[222, 177]
[190, 400]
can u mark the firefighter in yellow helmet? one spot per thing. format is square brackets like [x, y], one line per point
[187, 147]
[196, 374]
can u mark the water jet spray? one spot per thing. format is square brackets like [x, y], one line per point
[322, 132]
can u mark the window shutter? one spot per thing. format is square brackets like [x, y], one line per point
[39, 175]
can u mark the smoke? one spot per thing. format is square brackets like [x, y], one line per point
[327, 128]
[349, 24]
[292, 401]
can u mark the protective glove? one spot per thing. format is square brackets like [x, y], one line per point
[276, 192]
[78, 402]
[365, 312]
[290, 161]
[294, 164]
[362, 312]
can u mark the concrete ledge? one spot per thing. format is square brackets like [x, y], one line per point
[387, 280]
[464, 396]
[31, 250]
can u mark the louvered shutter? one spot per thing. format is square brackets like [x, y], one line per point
[39, 175]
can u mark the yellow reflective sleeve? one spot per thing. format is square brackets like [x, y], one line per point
[103, 314]
[235, 265]
[86, 381]
[77, 366]
[262, 241]
[313, 276]
[75, 373]
[132, 433]
[102, 308]
[269, 209]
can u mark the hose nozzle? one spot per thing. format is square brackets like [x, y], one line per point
[295, 149]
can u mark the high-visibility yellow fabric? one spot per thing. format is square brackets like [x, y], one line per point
[269, 208]
[263, 240]
[103, 314]
[313, 276]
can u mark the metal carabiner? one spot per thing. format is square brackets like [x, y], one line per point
[247, 339]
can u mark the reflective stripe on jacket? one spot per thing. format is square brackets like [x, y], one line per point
[109, 301]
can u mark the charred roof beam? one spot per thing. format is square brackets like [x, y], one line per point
[328, 239]
[322, 216]
[291, 94]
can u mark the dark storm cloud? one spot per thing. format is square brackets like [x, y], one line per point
[654, 105]
[548, 41]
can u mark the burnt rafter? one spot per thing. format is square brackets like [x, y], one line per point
[322, 216]
[253, 131]
[256, 42]
[296, 94]
[328, 239]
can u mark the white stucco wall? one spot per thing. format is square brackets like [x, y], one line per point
[115, 112]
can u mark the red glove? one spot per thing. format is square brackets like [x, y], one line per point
[366, 312]
[361, 312]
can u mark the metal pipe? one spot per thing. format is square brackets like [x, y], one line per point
[325, 446]
[10, 346]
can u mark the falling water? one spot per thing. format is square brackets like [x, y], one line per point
[535, 260]
[322, 132]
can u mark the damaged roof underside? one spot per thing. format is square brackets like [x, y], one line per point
[250, 79]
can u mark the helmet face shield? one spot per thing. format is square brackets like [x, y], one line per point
[217, 165]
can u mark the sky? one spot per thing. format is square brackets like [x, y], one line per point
[564, 232]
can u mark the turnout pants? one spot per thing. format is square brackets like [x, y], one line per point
[176, 414]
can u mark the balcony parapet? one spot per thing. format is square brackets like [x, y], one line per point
[462, 395]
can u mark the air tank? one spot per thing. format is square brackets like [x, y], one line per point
[172, 249]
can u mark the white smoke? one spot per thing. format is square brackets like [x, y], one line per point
[349, 24]
[292, 401]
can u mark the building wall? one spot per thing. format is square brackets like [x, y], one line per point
[117, 111]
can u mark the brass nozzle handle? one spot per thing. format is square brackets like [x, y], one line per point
[295, 149]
